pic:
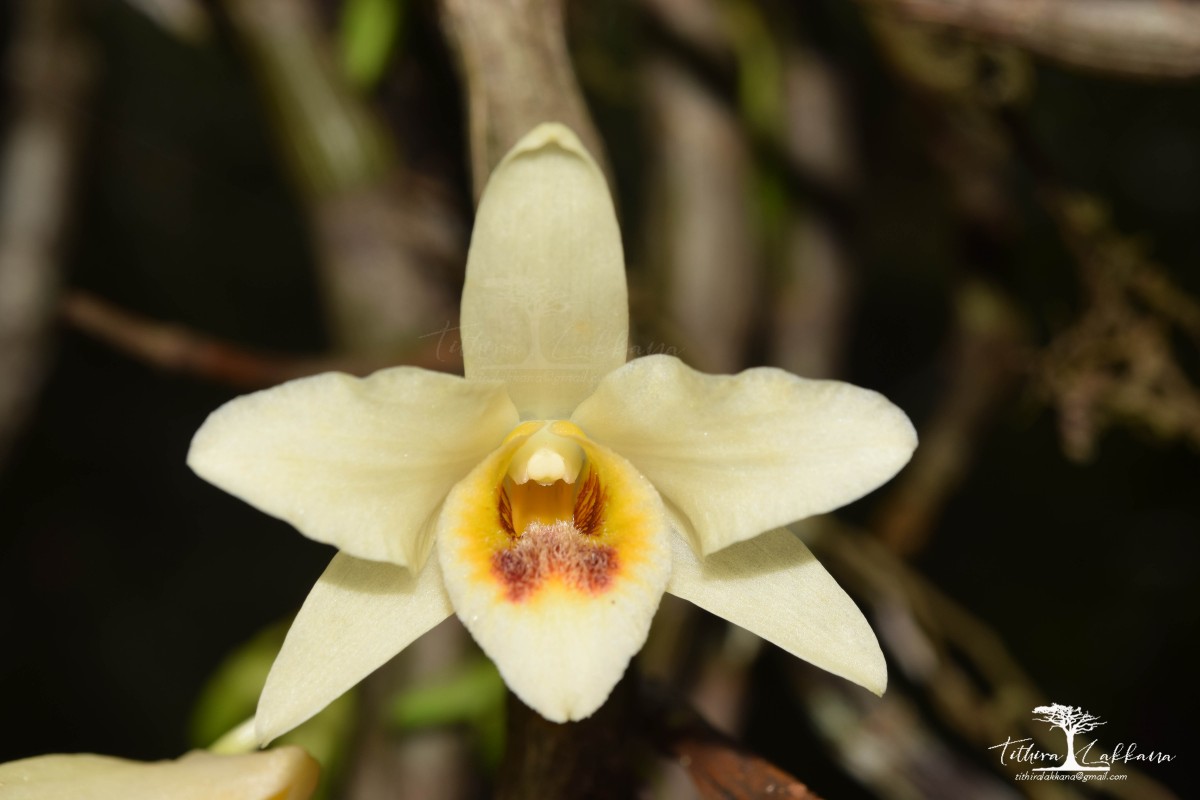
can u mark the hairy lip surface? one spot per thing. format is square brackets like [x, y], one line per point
[557, 550]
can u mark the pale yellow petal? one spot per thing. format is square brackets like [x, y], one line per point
[773, 586]
[560, 612]
[359, 463]
[741, 454]
[287, 773]
[544, 306]
[357, 616]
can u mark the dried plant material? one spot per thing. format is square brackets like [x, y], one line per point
[1117, 364]
[952, 65]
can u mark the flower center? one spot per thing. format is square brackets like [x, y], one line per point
[554, 520]
[545, 458]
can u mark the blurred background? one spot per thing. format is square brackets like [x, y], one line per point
[989, 216]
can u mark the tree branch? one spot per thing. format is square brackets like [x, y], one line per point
[720, 767]
[590, 759]
[513, 59]
[1139, 38]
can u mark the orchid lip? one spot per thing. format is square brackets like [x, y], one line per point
[571, 572]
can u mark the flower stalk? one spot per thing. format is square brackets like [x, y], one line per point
[593, 758]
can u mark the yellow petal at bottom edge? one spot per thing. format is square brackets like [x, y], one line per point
[559, 609]
[287, 773]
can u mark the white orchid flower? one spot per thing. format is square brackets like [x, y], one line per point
[287, 773]
[552, 495]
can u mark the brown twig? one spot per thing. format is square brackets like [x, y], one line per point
[721, 768]
[49, 73]
[1140, 38]
[174, 348]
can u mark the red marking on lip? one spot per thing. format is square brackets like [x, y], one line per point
[504, 510]
[556, 550]
[589, 505]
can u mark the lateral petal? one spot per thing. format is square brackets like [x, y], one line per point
[357, 616]
[741, 454]
[544, 305]
[773, 586]
[562, 604]
[287, 773]
[359, 463]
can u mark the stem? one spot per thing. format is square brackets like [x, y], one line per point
[514, 62]
[589, 760]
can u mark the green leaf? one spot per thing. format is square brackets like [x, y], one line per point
[473, 695]
[368, 33]
[231, 696]
[231, 693]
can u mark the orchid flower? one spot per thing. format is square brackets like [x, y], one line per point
[287, 773]
[553, 494]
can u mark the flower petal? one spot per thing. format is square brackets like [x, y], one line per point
[544, 306]
[559, 611]
[287, 773]
[357, 616]
[773, 586]
[360, 463]
[741, 454]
